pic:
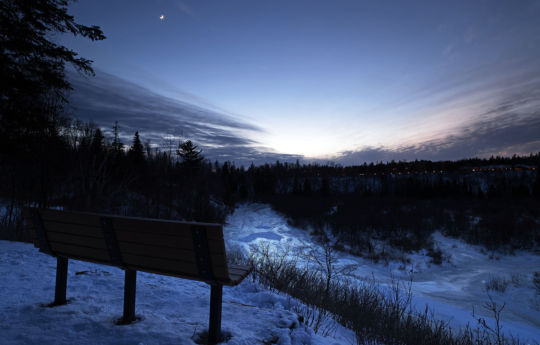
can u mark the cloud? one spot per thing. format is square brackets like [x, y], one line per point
[106, 98]
[510, 127]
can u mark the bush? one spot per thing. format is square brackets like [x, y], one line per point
[375, 314]
[498, 284]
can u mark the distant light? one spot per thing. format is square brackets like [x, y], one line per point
[161, 17]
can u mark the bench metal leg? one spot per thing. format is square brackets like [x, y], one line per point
[214, 332]
[61, 281]
[129, 297]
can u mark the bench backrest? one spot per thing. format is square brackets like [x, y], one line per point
[182, 249]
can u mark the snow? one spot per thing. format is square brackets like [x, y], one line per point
[172, 310]
[451, 290]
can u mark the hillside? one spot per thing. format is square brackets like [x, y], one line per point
[175, 311]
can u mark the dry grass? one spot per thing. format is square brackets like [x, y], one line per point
[376, 314]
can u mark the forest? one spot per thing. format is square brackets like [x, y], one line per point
[491, 201]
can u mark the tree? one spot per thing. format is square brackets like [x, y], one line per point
[189, 153]
[136, 151]
[117, 145]
[33, 87]
[98, 142]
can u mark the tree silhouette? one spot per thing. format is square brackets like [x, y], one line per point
[189, 153]
[33, 85]
[98, 142]
[117, 145]
[136, 151]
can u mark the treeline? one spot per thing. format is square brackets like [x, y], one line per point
[497, 206]
[81, 169]
[75, 166]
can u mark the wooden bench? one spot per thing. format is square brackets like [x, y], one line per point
[187, 250]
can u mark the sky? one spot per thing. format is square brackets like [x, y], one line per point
[343, 81]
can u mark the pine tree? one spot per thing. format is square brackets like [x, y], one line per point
[33, 83]
[136, 151]
[189, 153]
[117, 145]
[97, 141]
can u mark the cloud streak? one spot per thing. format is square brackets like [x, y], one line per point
[511, 127]
[106, 98]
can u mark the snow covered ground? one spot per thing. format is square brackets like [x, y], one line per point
[172, 310]
[452, 290]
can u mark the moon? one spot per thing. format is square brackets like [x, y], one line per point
[161, 17]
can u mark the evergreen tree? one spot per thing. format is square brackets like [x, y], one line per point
[97, 141]
[33, 84]
[189, 153]
[117, 145]
[136, 151]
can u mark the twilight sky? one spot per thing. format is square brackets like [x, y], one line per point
[347, 81]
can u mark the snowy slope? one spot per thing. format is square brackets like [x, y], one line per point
[172, 310]
[452, 289]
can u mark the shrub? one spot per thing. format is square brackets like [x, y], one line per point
[498, 284]
[375, 314]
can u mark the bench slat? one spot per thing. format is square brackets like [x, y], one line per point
[73, 229]
[164, 228]
[172, 266]
[87, 219]
[92, 242]
[134, 224]
[161, 252]
[70, 250]
[161, 240]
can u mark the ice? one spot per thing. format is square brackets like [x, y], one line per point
[263, 235]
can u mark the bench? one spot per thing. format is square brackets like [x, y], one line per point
[188, 250]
